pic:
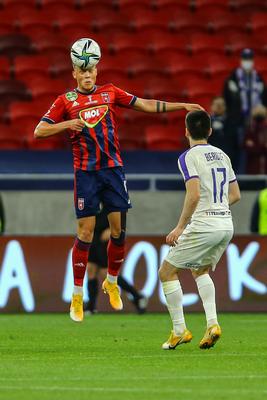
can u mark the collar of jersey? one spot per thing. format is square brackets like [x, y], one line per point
[89, 92]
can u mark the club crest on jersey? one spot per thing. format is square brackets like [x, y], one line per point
[71, 96]
[93, 115]
[105, 97]
[80, 203]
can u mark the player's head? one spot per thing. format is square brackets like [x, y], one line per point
[198, 125]
[85, 78]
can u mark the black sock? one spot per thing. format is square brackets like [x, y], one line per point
[128, 288]
[93, 292]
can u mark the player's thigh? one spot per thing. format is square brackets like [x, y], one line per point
[115, 195]
[86, 193]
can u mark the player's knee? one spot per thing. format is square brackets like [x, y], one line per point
[200, 272]
[163, 273]
[85, 232]
[118, 238]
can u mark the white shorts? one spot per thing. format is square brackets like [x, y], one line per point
[195, 250]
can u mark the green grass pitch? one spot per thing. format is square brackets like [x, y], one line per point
[119, 357]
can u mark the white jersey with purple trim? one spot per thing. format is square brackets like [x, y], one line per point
[214, 170]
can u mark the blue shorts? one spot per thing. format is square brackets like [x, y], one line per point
[106, 186]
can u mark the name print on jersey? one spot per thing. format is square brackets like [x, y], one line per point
[92, 116]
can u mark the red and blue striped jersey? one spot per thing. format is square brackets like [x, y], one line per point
[97, 146]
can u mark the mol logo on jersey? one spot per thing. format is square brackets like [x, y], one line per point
[92, 116]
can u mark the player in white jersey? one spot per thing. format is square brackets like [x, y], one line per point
[203, 231]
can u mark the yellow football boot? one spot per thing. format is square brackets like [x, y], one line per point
[175, 340]
[76, 308]
[113, 291]
[212, 334]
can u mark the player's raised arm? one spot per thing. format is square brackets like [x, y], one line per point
[190, 203]
[44, 129]
[158, 106]
[234, 194]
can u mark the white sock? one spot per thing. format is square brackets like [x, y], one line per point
[112, 278]
[206, 291]
[78, 290]
[174, 297]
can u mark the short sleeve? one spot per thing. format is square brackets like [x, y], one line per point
[56, 112]
[123, 98]
[232, 177]
[187, 166]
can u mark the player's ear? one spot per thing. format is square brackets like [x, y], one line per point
[74, 73]
[210, 132]
[187, 134]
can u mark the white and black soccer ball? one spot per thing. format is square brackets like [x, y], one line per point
[85, 53]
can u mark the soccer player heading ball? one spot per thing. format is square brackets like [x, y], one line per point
[89, 113]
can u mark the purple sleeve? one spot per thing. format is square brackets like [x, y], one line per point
[188, 171]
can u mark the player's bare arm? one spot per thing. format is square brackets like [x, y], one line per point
[44, 129]
[157, 106]
[234, 194]
[192, 197]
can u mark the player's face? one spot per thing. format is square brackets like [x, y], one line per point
[85, 78]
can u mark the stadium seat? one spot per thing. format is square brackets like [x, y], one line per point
[46, 45]
[131, 138]
[207, 5]
[4, 68]
[17, 3]
[25, 112]
[164, 138]
[181, 65]
[258, 22]
[147, 20]
[248, 6]
[236, 42]
[14, 45]
[73, 19]
[221, 21]
[59, 5]
[218, 68]
[41, 88]
[11, 139]
[11, 90]
[204, 43]
[118, 44]
[187, 23]
[109, 22]
[27, 67]
[167, 42]
[162, 4]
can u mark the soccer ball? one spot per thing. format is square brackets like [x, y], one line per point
[85, 53]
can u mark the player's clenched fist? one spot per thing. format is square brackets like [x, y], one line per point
[75, 125]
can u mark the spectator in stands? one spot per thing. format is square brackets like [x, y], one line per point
[223, 130]
[243, 90]
[256, 142]
[97, 266]
[258, 222]
[2, 217]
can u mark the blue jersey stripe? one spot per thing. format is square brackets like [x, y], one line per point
[100, 138]
[91, 149]
[111, 146]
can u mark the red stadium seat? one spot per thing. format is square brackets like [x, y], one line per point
[219, 21]
[11, 90]
[180, 65]
[248, 6]
[169, 137]
[59, 5]
[204, 43]
[236, 42]
[187, 23]
[218, 68]
[128, 42]
[11, 139]
[17, 3]
[108, 23]
[159, 44]
[130, 137]
[25, 67]
[162, 4]
[140, 22]
[258, 22]
[14, 45]
[4, 68]
[207, 5]
[19, 112]
[46, 88]
[46, 45]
